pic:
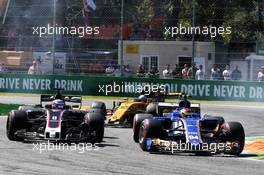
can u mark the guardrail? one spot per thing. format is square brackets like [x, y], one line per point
[114, 86]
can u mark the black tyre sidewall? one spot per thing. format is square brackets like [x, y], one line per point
[95, 122]
[236, 133]
[152, 109]
[149, 128]
[17, 120]
[138, 119]
[99, 106]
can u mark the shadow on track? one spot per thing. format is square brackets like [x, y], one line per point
[202, 154]
[248, 155]
[102, 145]
[111, 138]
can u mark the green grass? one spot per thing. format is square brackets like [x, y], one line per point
[5, 108]
[261, 157]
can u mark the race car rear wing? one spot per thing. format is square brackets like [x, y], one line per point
[176, 105]
[195, 107]
[72, 99]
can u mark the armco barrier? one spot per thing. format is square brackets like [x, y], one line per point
[101, 86]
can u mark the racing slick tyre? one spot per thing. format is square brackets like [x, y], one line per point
[149, 129]
[100, 106]
[16, 120]
[94, 110]
[138, 119]
[153, 109]
[95, 123]
[235, 135]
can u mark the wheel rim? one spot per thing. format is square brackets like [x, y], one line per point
[134, 124]
[7, 125]
[141, 134]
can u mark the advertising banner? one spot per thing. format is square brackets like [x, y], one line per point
[112, 86]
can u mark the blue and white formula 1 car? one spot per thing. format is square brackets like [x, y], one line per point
[179, 127]
[57, 121]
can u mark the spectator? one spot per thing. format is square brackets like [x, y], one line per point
[97, 68]
[149, 32]
[236, 74]
[3, 67]
[117, 71]
[57, 64]
[215, 73]
[154, 72]
[88, 8]
[190, 71]
[141, 69]
[34, 69]
[176, 73]
[227, 73]
[110, 70]
[167, 72]
[185, 72]
[200, 73]
[127, 71]
[261, 74]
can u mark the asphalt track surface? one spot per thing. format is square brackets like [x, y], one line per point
[118, 154]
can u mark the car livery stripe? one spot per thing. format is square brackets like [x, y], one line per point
[192, 131]
[54, 118]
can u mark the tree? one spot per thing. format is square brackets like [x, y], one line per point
[145, 10]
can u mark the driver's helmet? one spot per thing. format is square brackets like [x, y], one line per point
[58, 104]
[184, 112]
[142, 98]
[184, 103]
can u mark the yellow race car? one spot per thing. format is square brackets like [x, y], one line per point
[125, 111]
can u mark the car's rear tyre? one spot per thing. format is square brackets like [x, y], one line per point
[95, 123]
[153, 109]
[236, 134]
[16, 120]
[138, 119]
[149, 129]
[94, 110]
[100, 106]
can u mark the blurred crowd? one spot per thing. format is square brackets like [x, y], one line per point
[187, 72]
[194, 72]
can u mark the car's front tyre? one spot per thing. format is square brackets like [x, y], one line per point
[95, 124]
[16, 120]
[137, 120]
[235, 136]
[148, 130]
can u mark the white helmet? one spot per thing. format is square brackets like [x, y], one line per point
[58, 104]
[143, 98]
